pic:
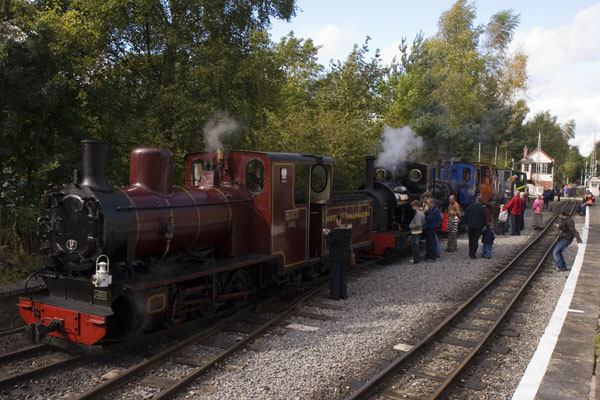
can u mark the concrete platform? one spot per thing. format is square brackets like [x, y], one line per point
[563, 365]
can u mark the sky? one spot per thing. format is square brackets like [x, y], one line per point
[561, 39]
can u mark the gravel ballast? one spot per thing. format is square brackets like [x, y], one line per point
[386, 306]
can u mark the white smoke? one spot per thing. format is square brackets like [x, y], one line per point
[398, 144]
[216, 129]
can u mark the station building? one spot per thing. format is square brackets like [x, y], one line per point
[539, 167]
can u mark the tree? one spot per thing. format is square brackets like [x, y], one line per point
[133, 73]
[461, 87]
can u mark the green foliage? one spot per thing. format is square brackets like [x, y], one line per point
[460, 88]
[154, 73]
[339, 114]
[19, 245]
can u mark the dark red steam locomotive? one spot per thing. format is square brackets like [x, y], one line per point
[121, 261]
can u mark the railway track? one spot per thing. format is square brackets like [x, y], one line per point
[225, 337]
[245, 326]
[454, 343]
[33, 361]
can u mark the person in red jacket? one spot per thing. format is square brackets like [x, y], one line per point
[515, 208]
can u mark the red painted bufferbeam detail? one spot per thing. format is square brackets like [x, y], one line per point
[78, 327]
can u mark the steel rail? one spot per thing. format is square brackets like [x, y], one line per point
[182, 383]
[22, 353]
[386, 373]
[10, 380]
[12, 331]
[128, 375]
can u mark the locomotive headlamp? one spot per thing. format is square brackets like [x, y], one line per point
[401, 197]
[102, 277]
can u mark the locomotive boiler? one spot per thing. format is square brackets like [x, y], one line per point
[121, 261]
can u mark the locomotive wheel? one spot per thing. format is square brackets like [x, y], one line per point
[239, 281]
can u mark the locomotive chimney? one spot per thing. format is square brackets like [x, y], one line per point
[370, 172]
[94, 164]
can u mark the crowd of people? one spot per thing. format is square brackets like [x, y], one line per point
[484, 221]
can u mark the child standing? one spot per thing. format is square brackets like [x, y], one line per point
[487, 238]
[416, 229]
[502, 218]
[452, 230]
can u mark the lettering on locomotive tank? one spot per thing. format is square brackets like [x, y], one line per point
[100, 295]
[292, 214]
[356, 215]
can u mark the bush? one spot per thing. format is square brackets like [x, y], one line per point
[19, 250]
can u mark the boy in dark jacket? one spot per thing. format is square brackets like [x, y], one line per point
[487, 239]
[339, 240]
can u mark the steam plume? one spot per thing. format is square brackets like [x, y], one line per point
[398, 144]
[216, 129]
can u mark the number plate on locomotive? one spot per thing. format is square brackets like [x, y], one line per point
[100, 295]
[292, 214]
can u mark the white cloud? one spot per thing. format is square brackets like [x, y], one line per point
[336, 43]
[564, 71]
[388, 53]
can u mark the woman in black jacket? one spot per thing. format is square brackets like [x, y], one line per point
[339, 240]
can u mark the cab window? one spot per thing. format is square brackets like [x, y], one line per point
[415, 175]
[197, 168]
[466, 175]
[485, 175]
[255, 176]
[380, 174]
[318, 178]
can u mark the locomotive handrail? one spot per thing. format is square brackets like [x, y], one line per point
[180, 206]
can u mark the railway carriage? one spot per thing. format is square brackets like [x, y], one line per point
[122, 261]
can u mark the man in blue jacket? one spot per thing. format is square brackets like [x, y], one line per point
[476, 219]
[433, 220]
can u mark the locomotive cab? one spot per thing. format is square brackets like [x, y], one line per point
[293, 201]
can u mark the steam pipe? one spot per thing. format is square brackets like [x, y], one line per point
[370, 172]
[94, 165]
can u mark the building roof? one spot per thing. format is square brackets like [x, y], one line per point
[537, 155]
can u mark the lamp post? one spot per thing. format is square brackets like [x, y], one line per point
[552, 175]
